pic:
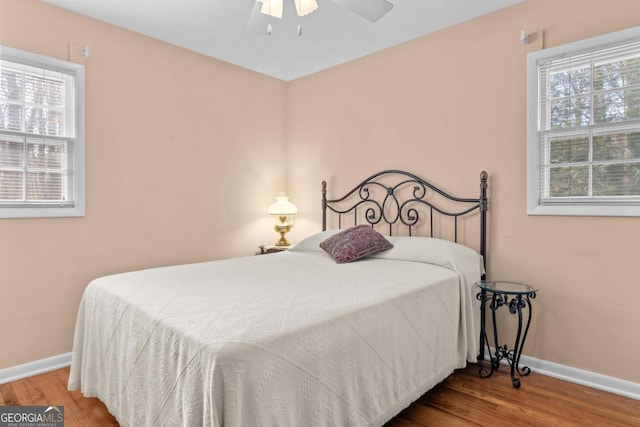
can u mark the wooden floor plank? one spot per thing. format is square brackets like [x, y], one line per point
[462, 400]
[550, 398]
[17, 394]
[422, 415]
[4, 394]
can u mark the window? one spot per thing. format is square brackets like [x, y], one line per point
[41, 136]
[584, 127]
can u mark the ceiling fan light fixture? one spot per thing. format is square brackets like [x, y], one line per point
[305, 7]
[264, 10]
[275, 7]
[272, 8]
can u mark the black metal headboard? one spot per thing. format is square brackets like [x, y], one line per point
[385, 203]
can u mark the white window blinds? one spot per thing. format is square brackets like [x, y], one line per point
[589, 127]
[38, 132]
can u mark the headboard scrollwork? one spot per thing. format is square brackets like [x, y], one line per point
[394, 197]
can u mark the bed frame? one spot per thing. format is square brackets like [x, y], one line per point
[401, 199]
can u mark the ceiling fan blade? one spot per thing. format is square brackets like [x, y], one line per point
[371, 10]
[258, 22]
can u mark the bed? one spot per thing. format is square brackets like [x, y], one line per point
[293, 338]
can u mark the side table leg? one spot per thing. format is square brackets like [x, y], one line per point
[494, 359]
[524, 371]
[482, 296]
[515, 306]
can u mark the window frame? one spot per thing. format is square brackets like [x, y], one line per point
[589, 206]
[52, 211]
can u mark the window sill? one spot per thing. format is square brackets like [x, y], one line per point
[77, 211]
[575, 210]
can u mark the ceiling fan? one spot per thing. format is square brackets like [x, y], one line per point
[264, 11]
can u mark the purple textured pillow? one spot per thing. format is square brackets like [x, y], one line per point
[355, 243]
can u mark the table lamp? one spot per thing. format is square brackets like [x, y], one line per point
[285, 211]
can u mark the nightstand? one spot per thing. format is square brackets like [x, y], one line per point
[517, 297]
[271, 249]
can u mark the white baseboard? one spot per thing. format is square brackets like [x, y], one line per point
[555, 370]
[580, 376]
[41, 366]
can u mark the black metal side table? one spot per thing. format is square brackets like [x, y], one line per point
[517, 297]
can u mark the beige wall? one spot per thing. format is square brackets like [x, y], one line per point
[203, 161]
[450, 105]
[182, 161]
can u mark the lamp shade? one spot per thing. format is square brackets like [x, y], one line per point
[282, 206]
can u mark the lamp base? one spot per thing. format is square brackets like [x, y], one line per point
[282, 229]
[282, 242]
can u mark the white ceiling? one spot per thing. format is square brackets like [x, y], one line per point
[331, 35]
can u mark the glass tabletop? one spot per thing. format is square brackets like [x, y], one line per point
[506, 287]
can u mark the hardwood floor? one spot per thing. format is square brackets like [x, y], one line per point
[463, 399]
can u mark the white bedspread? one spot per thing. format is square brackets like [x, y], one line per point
[290, 339]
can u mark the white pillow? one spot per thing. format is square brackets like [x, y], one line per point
[312, 243]
[431, 251]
